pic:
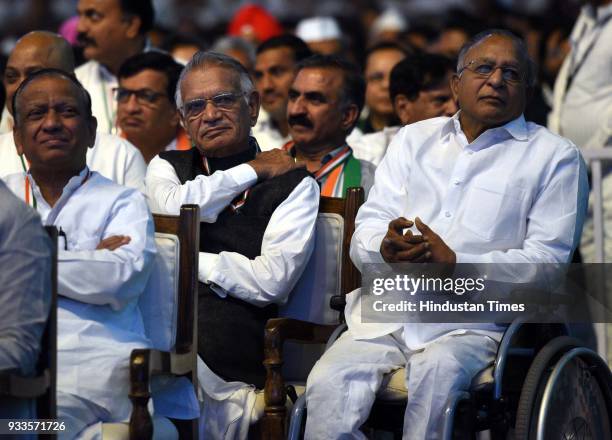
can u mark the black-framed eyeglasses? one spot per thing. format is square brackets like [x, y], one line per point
[222, 101]
[143, 96]
[484, 69]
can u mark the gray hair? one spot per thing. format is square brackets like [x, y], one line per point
[202, 59]
[519, 45]
[226, 44]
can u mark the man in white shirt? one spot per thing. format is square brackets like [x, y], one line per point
[277, 59]
[258, 213]
[146, 111]
[582, 102]
[111, 156]
[106, 248]
[325, 100]
[481, 187]
[419, 89]
[25, 277]
[110, 31]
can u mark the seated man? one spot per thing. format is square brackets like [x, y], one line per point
[481, 187]
[106, 247]
[325, 100]
[258, 213]
[146, 112]
[25, 277]
[419, 89]
[111, 156]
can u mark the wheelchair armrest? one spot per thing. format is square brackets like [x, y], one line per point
[14, 385]
[144, 364]
[279, 330]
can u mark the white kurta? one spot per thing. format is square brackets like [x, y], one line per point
[517, 193]
[99, 322]
[372, 147]
[286, 247]
[112, 156]
[99, 82]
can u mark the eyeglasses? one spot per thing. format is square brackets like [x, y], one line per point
[222, 101]
[143, 96]
[485, 69]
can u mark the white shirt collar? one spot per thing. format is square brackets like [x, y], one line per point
[517, 128]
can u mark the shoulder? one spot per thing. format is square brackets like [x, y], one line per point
[543, 140]
[15, 215]
[84, 71]
[110, 142]
[109, 190]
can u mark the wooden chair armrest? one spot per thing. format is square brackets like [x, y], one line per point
[144, 364]
[278, 331]
[14, 385]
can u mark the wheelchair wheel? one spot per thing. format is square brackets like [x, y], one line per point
[562, 398]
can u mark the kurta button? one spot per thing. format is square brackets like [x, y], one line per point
[447, 214]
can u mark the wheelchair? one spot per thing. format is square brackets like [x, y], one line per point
[543, 385]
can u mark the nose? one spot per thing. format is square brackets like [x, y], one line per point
[266, 83]
[132, 105]
[496, 79]
[450, 108]
[211, 113]
[81, 25]
[52, 121]
[296, 107]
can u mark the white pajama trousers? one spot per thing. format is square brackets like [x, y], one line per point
[342, 386]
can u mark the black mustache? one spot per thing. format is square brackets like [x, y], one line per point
[300, 120]
[84, 40]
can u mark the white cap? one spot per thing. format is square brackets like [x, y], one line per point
[318, 29]
[390, 20]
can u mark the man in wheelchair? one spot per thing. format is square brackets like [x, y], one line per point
[483, 186]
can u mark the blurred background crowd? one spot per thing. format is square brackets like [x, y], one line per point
[442, 26]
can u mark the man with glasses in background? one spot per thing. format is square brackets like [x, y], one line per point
[483, 186]
[258, 212]
[146, 112]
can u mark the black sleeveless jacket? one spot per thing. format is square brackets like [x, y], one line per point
[230, 331]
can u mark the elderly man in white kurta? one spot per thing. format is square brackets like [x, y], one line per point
[481, 187]
[106, 248]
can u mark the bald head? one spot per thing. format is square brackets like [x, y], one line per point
[34, 51]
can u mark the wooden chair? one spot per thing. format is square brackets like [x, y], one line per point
[172, 330]
[41, 387]
[280, 331]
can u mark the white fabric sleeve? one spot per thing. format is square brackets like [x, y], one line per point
[287, 244]
[112, 277]
[212, 193]
[135, 170]
[383, 204]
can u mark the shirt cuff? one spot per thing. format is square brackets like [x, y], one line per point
[206, 265]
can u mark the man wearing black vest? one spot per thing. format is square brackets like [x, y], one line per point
[258, 212]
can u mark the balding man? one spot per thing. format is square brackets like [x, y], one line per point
[113, 157]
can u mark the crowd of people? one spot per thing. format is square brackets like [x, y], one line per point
[444, 129]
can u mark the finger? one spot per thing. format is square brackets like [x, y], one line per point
[409, 237]
[422, 227]
[399, 224]
[413, 253]
[396, 244]
[117, 245]
[423, 258]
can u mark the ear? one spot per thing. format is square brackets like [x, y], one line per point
[454, 83]
[403, 109]
[349, 116]
[92, 125]
[18, 140]
[254, 103]
[133, 26]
